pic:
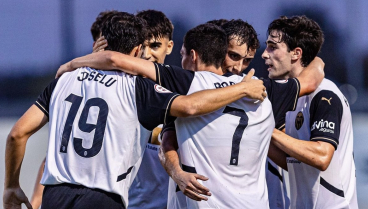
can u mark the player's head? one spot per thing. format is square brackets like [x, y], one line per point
[292, 43]
[218, 22]
[243, 44]
[160, 34]
[97, 25]
[125, 33]
[205, 45]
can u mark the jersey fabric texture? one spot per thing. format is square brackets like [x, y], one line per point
[150, 187]
[283, 95]
[323, 116]
[99, 124]
[229, 146]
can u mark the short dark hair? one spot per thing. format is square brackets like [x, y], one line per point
[299, 31]
[218, 22]
[100, 19]
[158, 24]
[123, 32]
[243, 31]
[209, 41]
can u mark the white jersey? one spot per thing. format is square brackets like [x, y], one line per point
[323, 116]
[229, 146]
[277, 193]
[150, 186]
[99, 124]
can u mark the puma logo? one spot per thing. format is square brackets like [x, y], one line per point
[328, 100]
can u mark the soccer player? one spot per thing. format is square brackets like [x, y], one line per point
[318, 153]
[99, 125]
[198, 42]
[36, 198]
[240, 34]
[149, 188]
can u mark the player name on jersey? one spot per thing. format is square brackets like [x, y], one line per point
[98, 77]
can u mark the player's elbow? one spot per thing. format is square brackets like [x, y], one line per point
[322, 163]
[15, 135]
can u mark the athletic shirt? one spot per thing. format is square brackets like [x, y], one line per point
[150, 186]
[283, 95]
[229, 146]
[99, 124]
[323, 116]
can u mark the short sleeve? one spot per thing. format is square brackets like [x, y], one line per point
[325, 117]
[283, 95]
[153, 103]
[168, 127]
[174, 78]
[43, 100]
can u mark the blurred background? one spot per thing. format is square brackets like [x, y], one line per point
[36, 37]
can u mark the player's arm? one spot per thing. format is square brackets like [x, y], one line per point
[326, 110]
[206, 101]
[311, 76]
[317, 154]
[111, 60]
[277, 155]
[38, 188]
[29, 123]
[186, 181]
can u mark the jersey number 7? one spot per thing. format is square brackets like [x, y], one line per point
[99, 127]
[238, 134]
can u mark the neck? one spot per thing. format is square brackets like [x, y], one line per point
[211, 68]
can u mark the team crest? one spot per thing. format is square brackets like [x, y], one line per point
[299, 120]
[161, 89]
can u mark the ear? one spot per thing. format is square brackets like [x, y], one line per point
[136, 50]
[296, 53]
[193, 56]
[170, 46]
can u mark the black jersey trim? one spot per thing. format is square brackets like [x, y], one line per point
[331, 188]
[42, 108]
[124, 175]
[325, 139]
[281, 127]
[297, 93]
[167, 113]
[274, 171]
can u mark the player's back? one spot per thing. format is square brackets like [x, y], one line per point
[229, 146]
[95, 137]
[323, 116]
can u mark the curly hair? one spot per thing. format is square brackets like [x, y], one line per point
[123, 32]
[299, 31]
[158, 24]
[209, 41]
[243, 31]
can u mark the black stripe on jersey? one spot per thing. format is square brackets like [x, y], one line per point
[188, 169]
[274, 171]
[153, 103]
[325, 117]
[124, 175]
[43, 100]
[283, 96]
[174, 78]
[331, 188]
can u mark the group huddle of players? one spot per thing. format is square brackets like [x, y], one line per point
[128, 131]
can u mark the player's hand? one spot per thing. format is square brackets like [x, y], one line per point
[63, 69]
[14, 197]
[190, 187]
[254, 87]
[100, 44]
